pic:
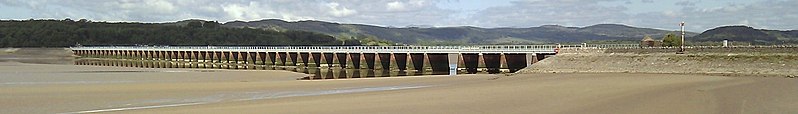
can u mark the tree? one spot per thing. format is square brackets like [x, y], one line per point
[670, 40]
[211, 24]
[194, 24]
[58, 33]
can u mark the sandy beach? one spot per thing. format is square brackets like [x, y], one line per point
[48, 88]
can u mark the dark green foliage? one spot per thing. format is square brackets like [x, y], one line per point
[62, 33]
[461, 35]
[194, 24]
[671, 40]
[736, 33]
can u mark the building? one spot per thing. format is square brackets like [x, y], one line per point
[650, 42]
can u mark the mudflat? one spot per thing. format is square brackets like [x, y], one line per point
[48, 88]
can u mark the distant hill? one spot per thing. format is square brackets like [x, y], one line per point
[63, 33]
[748, 34]
[460, 35]
[60, 33]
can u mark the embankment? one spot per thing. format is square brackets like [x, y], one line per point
[37, 55]
[747, 61]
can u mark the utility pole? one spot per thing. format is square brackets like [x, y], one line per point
[681, 47]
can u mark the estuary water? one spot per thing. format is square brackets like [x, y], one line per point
[314, 73]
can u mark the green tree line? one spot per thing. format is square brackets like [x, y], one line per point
[63, 33]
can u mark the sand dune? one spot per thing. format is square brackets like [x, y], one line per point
[43, 88]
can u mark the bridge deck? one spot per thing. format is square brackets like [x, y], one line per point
[343, 49]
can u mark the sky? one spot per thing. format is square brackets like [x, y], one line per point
[699, 15]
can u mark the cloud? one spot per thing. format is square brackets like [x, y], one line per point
[379, 12]
[563, 12]
[339, 11]
[772, 14]
[685, 3]
[396, 5]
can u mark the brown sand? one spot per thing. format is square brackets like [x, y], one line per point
[37, 55]
[40, 88]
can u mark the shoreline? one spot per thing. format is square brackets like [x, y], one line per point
[182, 90]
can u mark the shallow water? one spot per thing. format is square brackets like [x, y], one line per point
[239, 96]
[315, 73]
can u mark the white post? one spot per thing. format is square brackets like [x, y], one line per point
[453, 59]
[681, 48]
[725, 43]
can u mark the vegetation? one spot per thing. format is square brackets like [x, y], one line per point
[671, 40]
[62, 33]
[465, 35]
[749, 35]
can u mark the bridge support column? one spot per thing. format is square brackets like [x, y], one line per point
[305, 57]
[253, 56]
[114, 54]
[515, 61]
[183, 59]
[316, 59]
[245, 59]
[98, 53]
[401, 60]
[283, 57]
[221, 57]
[471, 62]
[177, 59]
[293, 56]
[439, 61]
[272, 57]
[385, 60]
[328, 59]
[454, 59]
[193, 59]
[230, 56]
[492, 62]
[202, 59]
[504, 61]
[131, 54]
[541, 56]
[417, 60]
[355, 57]
[150, 55]
[342, 58]
[172, 59]
[262, 57]
[209, 59]
[369, 57]
[157, 59]
[530, 59]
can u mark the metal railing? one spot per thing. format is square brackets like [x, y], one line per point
[406, 49]
[347, 49]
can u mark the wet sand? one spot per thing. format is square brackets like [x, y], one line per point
[47, 88]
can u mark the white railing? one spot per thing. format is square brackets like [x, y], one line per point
[342, 49]
[398, 49]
